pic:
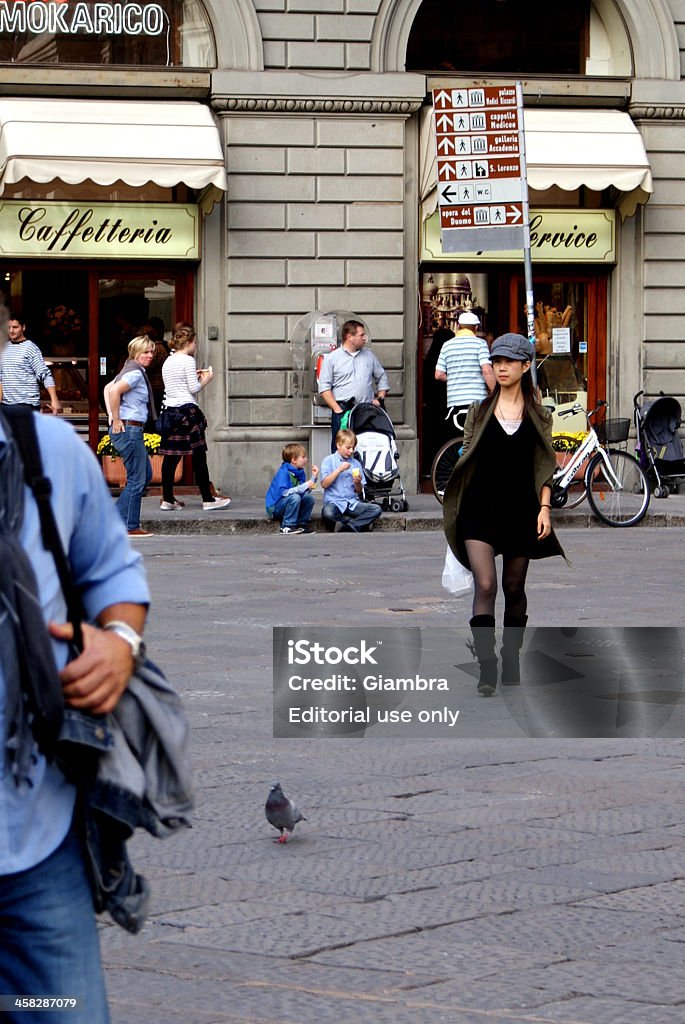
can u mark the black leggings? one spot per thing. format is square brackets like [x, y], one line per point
[514, 569]
[200, 472]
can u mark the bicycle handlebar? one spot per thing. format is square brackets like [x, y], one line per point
[578, 408]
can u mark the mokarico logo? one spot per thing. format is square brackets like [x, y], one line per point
[302, 652]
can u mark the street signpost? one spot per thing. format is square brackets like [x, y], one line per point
[482, 186]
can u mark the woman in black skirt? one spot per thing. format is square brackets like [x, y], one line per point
[497, 502]
[184, 424]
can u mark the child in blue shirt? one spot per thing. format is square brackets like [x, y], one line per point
[342, 479]
[289, 498]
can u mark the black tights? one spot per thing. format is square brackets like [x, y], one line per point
[200, 472]
[482, 559]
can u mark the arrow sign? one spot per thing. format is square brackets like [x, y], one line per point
[443, 98]
[444, 123]
[447, 145]
[514, 214]
[447, 170]
[448, 194]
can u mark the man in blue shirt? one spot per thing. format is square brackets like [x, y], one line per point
[342, 479]
[48, 933]
[351, 374]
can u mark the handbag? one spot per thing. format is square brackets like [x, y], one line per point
[164, 424]
[456, 578]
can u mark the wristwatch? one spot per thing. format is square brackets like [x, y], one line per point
[133, 639]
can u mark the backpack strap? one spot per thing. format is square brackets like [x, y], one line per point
[20, 419]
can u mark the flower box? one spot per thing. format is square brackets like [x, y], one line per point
[115, 471]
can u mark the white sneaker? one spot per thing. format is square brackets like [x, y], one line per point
[292, 529]
[171, 506]
[217, 503]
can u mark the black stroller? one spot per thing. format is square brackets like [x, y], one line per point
[659, 447]
[377, 451]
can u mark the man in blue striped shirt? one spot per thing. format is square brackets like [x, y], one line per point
[23, 370]
[464, 363]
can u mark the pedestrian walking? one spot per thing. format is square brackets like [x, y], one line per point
[351, 374]
[23, 370]
[48, 933]
[183, 422]
[130, 404]
[464, 364]
[497, 502]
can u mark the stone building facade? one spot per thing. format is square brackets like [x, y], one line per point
[324, 208]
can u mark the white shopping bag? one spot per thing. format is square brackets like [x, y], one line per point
[455, 577]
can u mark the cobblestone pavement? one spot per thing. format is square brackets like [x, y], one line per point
[464, 881]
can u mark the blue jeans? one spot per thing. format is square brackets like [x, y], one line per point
[50, 944]
[131, 447]
[294, 509]
[358, 518]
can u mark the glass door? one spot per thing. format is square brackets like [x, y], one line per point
[82, 319]
[570, 341]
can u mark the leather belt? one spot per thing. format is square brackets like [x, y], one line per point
[133, 423]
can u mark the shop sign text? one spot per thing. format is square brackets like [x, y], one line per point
[99, 230]
[89, 19]
[556, 236]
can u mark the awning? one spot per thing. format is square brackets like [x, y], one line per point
[568, 148]
[106, 141]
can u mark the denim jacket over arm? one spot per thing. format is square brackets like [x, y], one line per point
[133, 770]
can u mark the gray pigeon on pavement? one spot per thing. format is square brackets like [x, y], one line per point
[281, 812]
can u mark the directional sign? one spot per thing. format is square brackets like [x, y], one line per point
[482, 190]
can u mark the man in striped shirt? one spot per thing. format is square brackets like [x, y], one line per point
[23, 370]
[464, 363]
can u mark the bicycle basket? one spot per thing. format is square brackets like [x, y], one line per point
[613, 431]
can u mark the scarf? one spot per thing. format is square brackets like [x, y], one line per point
[29, 671]
[128, 367]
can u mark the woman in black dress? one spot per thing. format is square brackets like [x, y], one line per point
[497, 502]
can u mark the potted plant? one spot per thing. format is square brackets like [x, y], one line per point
[113, 464]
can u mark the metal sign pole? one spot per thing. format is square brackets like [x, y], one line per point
[527, 258]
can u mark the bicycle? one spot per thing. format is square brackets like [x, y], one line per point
[615, 484]
[619, 494]
[447, 456]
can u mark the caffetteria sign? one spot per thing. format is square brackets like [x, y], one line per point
[99, 230]
[82, 18]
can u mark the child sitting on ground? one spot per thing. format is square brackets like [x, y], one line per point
[289, 498]
[342, 479]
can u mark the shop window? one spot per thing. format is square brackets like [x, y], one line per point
[167, 33]
[518, 37]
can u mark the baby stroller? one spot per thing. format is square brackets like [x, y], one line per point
[377, 452]
[659, 447]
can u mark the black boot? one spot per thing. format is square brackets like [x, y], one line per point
[512, 642]
[483, 632]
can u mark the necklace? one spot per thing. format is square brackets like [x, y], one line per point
[513, 412]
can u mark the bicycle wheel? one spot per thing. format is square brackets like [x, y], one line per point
[622, 501]
[443, 464]
[575, 492]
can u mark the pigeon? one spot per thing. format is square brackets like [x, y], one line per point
[281, 812]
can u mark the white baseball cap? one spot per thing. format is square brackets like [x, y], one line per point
[468, 319]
